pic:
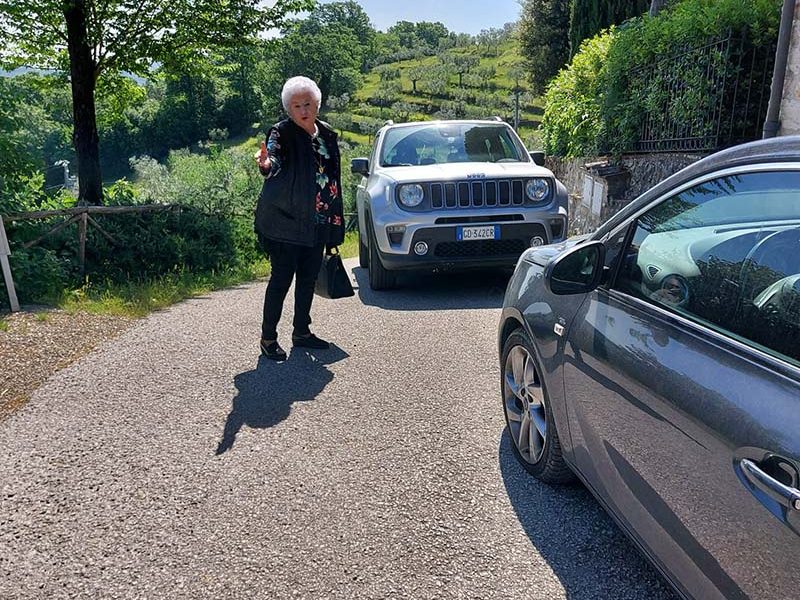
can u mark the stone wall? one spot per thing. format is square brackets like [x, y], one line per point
[645, 170]
[790, 104]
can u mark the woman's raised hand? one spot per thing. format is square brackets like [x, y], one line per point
[262, 158]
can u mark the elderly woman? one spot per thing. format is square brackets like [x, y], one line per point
[299, 212]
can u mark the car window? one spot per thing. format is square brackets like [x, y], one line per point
[439, 143]
[725, 253]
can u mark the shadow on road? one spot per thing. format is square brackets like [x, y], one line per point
[569, 529]
[265, 394]
[437, 291]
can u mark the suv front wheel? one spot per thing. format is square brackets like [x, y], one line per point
[379, 277]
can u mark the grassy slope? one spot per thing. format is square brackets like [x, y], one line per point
[501, 85]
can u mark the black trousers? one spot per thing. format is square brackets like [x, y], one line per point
[290, 261]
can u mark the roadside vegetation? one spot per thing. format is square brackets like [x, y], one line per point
[597, 102]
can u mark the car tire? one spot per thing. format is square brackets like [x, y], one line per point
[527, 409]
[379, 277]
[363, 252]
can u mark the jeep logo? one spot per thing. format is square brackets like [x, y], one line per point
[476, 175]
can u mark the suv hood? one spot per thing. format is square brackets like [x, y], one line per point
[465, 170]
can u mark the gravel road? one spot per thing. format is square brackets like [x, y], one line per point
[173, 463]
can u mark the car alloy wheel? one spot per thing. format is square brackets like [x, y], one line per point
[525, 406]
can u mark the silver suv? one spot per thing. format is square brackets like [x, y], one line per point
[452, 195]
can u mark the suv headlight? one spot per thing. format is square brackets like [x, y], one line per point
[411, 194]
[537, 189]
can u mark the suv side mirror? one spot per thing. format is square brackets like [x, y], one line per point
[576, 271]
[538, 157]
[360, 166]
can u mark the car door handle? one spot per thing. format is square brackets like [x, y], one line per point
[763, 480]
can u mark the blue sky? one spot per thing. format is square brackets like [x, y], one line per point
[462, 16]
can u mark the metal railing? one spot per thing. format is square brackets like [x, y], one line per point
[705, 97]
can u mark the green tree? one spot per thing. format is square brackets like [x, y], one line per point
[401, 111]
[544, 39]
[385, 94]
[406, 33]
[430, 33]
[589, 17]
[415, 74]
[19, 160]
[330, 56]
[332, 46]
[435, 80]
[491, 39]
[350, 15]
[89, 38]
[459, 63]
[388, 72]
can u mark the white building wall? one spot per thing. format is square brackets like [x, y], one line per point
[790, 104]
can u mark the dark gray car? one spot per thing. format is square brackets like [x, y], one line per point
[659, 361]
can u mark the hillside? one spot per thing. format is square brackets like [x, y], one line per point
[424, 88]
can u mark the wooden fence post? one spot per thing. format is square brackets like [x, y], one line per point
[82, 226]
[5, 251]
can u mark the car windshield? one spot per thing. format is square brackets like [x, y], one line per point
[437, 143]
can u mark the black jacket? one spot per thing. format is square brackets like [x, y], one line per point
[286, 206]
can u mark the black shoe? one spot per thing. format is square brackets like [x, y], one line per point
[272, 350]
[310, 341]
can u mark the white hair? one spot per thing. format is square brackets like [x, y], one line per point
[299, 85]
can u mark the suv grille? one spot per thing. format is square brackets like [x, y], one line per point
[479, 248]
[477, 194]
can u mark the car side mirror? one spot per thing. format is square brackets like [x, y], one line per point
[360, 166]
[576, 271]
[538, 157]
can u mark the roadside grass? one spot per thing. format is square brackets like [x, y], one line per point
[138, 298]
[3, 325]
[350, 247]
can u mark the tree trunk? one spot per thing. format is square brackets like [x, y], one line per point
[656, 6]
[82, 76]
[324, 85]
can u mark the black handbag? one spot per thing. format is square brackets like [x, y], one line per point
[333, 280]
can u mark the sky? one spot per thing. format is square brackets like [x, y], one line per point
[461, 16]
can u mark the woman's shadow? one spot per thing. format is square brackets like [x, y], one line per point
[265, 394]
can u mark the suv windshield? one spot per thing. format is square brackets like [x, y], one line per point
[436, 143]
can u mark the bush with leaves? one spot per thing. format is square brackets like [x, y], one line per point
[598, 102]
[633, 86]
[572, 122]
[221, 182]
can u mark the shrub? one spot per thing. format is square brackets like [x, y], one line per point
[40, 274]
[572, 123]
[685, 25]
[597, 103]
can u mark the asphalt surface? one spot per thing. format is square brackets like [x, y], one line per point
[174, 463]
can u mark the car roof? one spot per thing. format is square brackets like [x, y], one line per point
[447, 121]
[772, 150]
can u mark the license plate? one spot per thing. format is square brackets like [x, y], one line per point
[486, 232]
